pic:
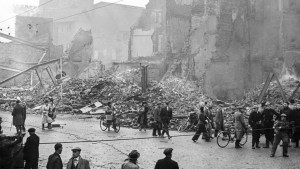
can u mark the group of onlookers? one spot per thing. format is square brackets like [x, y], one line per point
[284, 123]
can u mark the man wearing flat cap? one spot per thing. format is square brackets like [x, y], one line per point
[131, 160]
[31, 150]
[76, 162]
[167, 162]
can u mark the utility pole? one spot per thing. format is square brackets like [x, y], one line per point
[144, 79]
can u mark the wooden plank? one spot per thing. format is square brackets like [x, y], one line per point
[37, 73]
[50, 75]
[265, 88]
[295, 91]
[31, 68]
[281, 89]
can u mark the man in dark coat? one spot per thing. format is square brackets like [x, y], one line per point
[202, 121]
[54, 160]
[167, 162]
[143, 116]
[268, 123]
[166, 115]
[157, 121]
[31, 150]
[18, 119]
[255, 122]
[295, 121]
[7, 146]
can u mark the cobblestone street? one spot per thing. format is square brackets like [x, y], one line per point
[110, 154]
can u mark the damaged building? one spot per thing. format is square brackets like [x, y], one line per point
[31, 45]
[227, 46]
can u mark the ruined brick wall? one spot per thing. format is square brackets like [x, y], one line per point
[230, 46]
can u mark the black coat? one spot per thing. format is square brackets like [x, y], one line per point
[166, 115]
[31, 148]
[267, 118]
[54, 162]
[166, 163]
[254, 119]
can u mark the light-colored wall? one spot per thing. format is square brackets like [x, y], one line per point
[142, 45]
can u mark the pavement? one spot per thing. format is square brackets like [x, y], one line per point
[80, 131]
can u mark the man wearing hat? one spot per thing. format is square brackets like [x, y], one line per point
[157, 120]
[18, 116]
[268, 123]
[54, 160]
[281, 128]
[240, 126]
[31, 150]
[255, 119]
[166, 115]
[167, 162]
[143, 116]
[76, 162]
[131, 160]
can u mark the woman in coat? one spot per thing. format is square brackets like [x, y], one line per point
[45, 109]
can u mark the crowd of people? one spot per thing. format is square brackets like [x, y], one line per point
[277, 125]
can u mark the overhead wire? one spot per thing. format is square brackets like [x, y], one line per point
[80, 13]
[26, 11]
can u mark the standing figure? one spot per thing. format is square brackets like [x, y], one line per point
[52, 109]
[255, 122]
[23, 104]
[31, 150]
[157, 120]
[54, 160]
[202, 121]
[240, 126]
[18, 119]
[281, 127]
[268, 123]
[167, 162]
[143, 116]
[131, 161]
[45, 109]
[219, 121]
[76, 162]
[166, 115]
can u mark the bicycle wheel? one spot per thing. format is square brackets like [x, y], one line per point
[183, 127]
[244, 139]
[102, 125]
[118, 126]
[223, 139]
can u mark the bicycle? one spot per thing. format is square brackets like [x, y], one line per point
[228, 135]
[106, 123]
[189, 125]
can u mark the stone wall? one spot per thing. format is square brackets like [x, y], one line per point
[232, 45]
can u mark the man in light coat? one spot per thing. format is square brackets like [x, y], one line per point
[240, 126]
[76, 162]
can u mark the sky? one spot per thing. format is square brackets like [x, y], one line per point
[6, 7]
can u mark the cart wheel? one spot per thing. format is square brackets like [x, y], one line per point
[102, 124]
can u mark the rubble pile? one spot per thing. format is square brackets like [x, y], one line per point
[273, 94]
[123, 90]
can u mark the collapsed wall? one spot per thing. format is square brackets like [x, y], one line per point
[230, 46]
